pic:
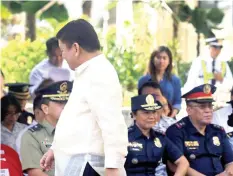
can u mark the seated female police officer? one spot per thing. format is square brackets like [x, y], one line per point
[147, 147]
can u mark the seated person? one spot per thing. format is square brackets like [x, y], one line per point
[205, 145]
[147, 147]
[164, 120]
[21, 92]
[37, 140]
[10, 128]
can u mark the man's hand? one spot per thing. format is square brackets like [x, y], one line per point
[47, 161]
[218, 76]
[112, 172]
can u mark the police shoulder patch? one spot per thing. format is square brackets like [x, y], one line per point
[180, 124]
[36, 127]
[218, 127]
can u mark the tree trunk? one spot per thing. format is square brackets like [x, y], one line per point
[31, 26]
[175, 28]
[198, 43]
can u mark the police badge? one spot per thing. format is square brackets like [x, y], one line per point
[157, 143]
[216, 141]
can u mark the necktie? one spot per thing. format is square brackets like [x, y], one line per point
[213, 81]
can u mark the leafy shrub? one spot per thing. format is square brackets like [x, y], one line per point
[19, 57]
[183, 69]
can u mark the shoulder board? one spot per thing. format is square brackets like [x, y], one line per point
[230, 135]
[159, 131]
[36, 127]
[180, 124]
[218, 127]
[130, 129]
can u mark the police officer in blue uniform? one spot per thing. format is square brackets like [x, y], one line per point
[205, 145]
[147, 147]
[21, 92]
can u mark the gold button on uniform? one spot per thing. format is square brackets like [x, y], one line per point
[135, 161]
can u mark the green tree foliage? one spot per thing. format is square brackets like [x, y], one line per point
[5, 20]
[56, 11]
[19, 57]
[130, 60]
[127, 61]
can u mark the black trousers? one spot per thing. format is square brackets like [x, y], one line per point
[89, 171]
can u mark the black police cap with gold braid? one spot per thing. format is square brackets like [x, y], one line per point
[19, 90]
[58, 91]
[145, 102]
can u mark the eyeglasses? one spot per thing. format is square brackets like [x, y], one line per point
[203, 106]
[17, 114]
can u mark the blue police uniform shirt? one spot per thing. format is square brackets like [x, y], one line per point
[145, 154]
[206, 153]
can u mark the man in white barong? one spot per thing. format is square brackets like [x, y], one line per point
[91, 134]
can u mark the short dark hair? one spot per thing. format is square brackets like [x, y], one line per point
[82, 32]
[6, 101]
[152, 84]
[151, 67]
[51, 44]
[45, 101]
[37, 102]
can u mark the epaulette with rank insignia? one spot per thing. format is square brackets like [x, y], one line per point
[230, 134]
[159, 131]
[180, 124]
[218, 127]
[36, 127]
[130, 129]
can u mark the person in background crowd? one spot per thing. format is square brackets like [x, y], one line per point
[54, 67]
[160, 70]
[21, 92]
[146, 146]
[205, 145]
[38, 139]
[89, 144]
[2, 77]
[9, 162]
[10, 128]
[164, 121]
[211, 68]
